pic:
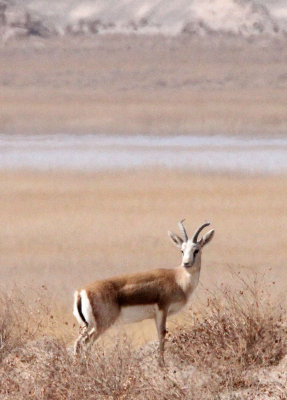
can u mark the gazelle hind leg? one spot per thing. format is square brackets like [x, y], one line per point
[160, 320]
[83, 332]
[86, 338]
[93, 335]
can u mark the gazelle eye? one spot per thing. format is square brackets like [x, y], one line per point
[195, 252]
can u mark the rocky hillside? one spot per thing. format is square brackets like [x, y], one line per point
[19, 18]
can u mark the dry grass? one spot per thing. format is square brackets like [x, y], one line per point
[223, 353]
[239, 331]
[172, 86]
[26, 314]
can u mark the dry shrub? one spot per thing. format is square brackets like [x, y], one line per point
[240, 330]
[26, 315]
[20, 320]
[231, 350]
[46, 369]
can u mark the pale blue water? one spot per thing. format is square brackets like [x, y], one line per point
[100, 152]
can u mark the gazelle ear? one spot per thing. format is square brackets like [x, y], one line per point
[175, 239]
[207, 238]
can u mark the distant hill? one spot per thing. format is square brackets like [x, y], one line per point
[191, 17]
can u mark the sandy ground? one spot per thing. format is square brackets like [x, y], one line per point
[137, 84]
[64, 230]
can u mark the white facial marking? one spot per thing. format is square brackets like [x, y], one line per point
[190, 251]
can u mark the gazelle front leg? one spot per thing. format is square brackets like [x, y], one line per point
[160, 320]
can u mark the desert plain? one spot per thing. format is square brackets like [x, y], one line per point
[144, 84]
[62, 229]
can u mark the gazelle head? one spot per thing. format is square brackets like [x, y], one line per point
[191, 248]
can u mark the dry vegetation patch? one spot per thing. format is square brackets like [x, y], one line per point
[26, 315]
[233, 347]
[240, 331]
[19, 321]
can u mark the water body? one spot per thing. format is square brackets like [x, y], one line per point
[100, 152]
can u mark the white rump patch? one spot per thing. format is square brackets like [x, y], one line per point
[87, 309]
[75, 309]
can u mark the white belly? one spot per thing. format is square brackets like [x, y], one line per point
[137, 313]
[175, 307]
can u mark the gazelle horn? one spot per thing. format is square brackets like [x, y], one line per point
[183, 231]
[195, 236]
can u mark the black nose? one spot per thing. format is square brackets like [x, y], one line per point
[186, 264]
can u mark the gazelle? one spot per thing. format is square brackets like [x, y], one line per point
[152, 294]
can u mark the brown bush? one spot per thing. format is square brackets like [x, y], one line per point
[19, 321]
[46, 369]
[240, 330]
[26, 315]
